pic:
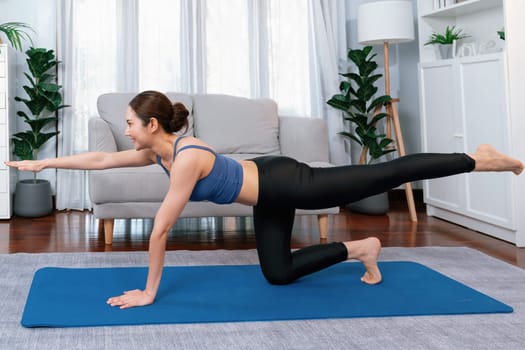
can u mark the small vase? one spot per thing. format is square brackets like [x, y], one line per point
[33, 198]
[445, 51]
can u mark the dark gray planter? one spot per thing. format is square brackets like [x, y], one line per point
[33, 199]
[373, 205]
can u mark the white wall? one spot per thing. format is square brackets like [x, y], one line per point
[41, 16]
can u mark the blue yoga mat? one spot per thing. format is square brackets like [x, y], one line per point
[76, 297]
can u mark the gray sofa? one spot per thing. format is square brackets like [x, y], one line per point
[237, 127]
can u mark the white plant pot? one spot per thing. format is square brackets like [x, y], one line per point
[445, 51]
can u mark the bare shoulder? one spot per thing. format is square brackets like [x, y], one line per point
[187, 165]
[190, 140]
[193, 161]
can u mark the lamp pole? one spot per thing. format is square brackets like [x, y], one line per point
[389, 22]
[387, 68]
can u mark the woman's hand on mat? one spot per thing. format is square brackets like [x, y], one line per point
[131, 298]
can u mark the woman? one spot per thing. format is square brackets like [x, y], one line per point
[275, 186]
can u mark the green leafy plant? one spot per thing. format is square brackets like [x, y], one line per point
[451, 34]
[15, 33]
[44, 100]
[358, 104]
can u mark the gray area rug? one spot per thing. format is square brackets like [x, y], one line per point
[488, 275]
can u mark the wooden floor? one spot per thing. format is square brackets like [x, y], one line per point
[75, 231]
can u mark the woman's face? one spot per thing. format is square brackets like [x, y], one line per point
[137, 132]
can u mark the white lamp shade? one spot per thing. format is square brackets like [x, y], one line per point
[390, 21]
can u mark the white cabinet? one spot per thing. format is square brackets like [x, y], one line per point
[437, 82]
[7, 176]
[465, 101]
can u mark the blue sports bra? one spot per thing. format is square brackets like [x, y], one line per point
[222, 185]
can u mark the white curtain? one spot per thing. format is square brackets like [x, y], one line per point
[88, 46]
[289, 51]
[329, 58]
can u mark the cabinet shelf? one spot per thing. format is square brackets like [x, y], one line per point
[463, 8]
[465, 59]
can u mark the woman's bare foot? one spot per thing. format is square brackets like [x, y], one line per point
[487, 158]
[367, 251]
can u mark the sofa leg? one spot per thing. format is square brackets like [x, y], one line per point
[322, 220]
[108, 230]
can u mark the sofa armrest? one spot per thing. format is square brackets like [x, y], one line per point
[100, 137]
[305, 139]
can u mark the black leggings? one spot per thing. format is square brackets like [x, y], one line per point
[286, 184]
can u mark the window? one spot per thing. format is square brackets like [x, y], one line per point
[245, 48]
[248, 48]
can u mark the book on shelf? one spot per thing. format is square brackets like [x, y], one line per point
[439, 4]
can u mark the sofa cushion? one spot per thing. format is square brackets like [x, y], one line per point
[112, 108]
[120, 185]
[100, 137]
[237, 125]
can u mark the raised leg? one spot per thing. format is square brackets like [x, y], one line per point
[290, 184]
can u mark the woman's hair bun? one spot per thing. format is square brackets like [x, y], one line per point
[180, 110]
[180, 117]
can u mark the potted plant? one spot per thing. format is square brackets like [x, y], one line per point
[358, 103]
[33, 197]
[445, 41]
[15, 32]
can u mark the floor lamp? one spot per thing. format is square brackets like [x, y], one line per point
[381, 23]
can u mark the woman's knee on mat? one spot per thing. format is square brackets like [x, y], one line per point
[278, 276]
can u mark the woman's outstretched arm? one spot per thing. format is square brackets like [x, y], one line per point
[88, 161]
